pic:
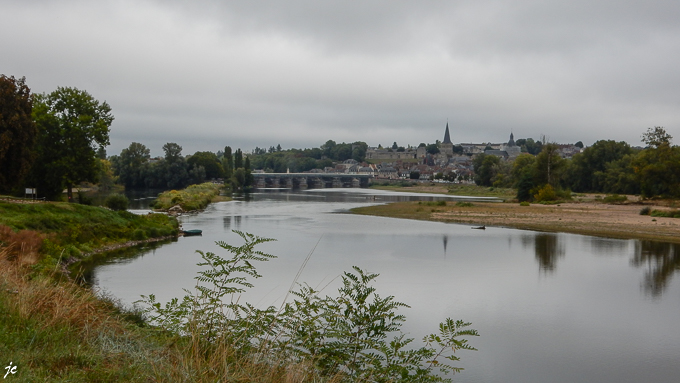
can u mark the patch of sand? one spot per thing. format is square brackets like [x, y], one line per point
[619, 221]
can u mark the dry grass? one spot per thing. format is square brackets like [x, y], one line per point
[56, 330]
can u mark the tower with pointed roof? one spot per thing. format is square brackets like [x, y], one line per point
[446, 147]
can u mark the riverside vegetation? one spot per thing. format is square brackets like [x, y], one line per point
[53, 329]
[195, 197]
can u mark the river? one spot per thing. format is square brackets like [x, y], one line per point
[548, 307]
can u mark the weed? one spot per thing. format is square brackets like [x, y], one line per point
[464, 204]
[343, 338]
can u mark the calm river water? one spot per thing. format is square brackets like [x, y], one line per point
[548, 307]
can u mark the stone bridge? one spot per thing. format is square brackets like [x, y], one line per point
[310, 180]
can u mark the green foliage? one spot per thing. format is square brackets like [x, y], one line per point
[18, 132]
[210, 162]
[524, 203]
[645, 210]
[666, 213]
[432, 203]
[116, 202]
[132, 165]
[71, 124]
[75, 228]
[464, 204]
[588, 169]
[195, 197]
[486, 167]
[545, 193]
[615, 199]
[343, 336]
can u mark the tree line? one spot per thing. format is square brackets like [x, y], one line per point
[607, 166]
[50, 141]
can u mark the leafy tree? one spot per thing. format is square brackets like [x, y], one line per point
[581, 172]
[658, 167]
[173, 152]
[549, 165]
[209, 161]
[657, 136]
[18, 132]
[579, 144]
[395, 146]
[530, 146]
[327, 148]
[248, 179]
[238, 159]
[432, 149]
[131, 163]
[486, 168]
[228, 165]
[71, 125]
[523, 169]
[359, 151]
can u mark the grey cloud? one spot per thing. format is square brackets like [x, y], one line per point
[256, 73]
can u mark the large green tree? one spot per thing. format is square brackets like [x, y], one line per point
[585, 173]
[130, 166]
[72, 125]
[658, 166]
[17, 132]
[209, 161]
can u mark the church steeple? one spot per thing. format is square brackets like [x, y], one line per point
[447, 137]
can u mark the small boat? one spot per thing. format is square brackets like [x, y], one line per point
[188, 233]
[480, 227]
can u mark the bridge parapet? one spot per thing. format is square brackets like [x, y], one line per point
[310, 180]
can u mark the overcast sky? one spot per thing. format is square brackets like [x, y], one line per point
[206, 74]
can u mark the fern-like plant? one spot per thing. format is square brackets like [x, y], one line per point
[344, 336]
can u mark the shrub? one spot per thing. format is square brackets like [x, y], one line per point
[139, 235]
[464, 204]
[524, 203]
[545, 193]
[645, 210]
[666, 213]
[116, 202]
[615, 199]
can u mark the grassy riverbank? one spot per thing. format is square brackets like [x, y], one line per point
[57, 231]
[589, 218]
[195, 197]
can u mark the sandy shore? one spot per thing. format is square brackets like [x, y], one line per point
[590, 218]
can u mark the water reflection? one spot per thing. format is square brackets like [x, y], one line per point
[661, 259]
[547, 249]
[85, 271]
[607, 246]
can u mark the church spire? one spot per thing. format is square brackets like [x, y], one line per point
[447, 137]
